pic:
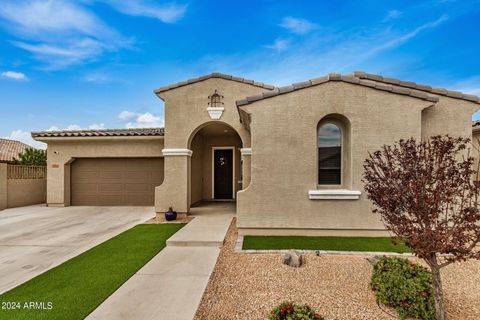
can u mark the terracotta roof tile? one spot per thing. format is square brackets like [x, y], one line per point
[9, 149]
[338, 77]
[134, 132]
[214, 75]
[416, 86]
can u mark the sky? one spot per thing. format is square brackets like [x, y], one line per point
[95, 63]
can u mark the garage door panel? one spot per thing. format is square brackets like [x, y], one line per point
[115, 181]
[110, 187]
[138, 187]
[137, 175]
[86, 188]
[110, 200]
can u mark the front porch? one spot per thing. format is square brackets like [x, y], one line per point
[208, 227]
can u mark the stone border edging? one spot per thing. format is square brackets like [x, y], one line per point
[239, 245]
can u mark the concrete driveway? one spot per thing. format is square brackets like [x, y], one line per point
[37, 238]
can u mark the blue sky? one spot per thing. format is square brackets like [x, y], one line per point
[94, 63]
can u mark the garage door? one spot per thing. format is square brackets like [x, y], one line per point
[115, 181]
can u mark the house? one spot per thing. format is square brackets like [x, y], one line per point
[291, 157]
[9, 150]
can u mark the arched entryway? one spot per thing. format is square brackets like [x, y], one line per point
[215, 167]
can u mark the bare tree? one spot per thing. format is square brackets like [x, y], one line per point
[425, 194]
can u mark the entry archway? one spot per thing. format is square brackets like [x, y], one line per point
[215, 167]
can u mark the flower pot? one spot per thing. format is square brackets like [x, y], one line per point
[170, 215]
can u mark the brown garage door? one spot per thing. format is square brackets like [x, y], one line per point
[115, 181]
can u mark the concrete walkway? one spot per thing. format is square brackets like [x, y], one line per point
[171, 285]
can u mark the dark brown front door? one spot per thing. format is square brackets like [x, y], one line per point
[223, 174]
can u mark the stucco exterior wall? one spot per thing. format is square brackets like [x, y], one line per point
[25, 192]
[3, 186]
[475, 152]
[448, 116]
[61, 153]
[284, 156]
[185, 114]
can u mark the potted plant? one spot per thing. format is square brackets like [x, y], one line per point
[170, 215]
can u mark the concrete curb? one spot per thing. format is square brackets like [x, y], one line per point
[239, 246]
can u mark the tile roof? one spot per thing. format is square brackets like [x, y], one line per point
[416, 86]
[214, 75]
[134, 132]
[337, 77]
[10, 149]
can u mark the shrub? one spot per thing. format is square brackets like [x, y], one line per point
[405, 286]
[289, 311]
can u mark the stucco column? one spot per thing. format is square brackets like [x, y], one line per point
[3, 186]
[175, 190]
[246, 166]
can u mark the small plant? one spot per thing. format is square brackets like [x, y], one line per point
[405, 286]
[290, 311]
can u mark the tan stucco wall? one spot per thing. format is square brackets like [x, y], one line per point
[475, 152]
[449, 116]
[284, 155]
[25, 192]
[3, 186]
[185, 114]
[61, 153]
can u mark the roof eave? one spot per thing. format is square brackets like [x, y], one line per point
[95, 138]
[210, 76]
[339, 78]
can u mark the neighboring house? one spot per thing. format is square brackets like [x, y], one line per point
[9, 150]
[292, 157]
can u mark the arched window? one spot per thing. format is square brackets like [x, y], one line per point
[329, 154]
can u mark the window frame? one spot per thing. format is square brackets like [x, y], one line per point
[340, 125]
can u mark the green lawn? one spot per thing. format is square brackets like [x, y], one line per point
[383, 244]
[76, 287]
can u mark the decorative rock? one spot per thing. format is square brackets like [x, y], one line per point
[292, 259]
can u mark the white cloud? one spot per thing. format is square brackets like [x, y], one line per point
[25, 137]
[168, 13]
[141, 120]
[299, 26]
[393, 14]
[95, 126]
[278, 45]
[59, 33]
[126, 115]
[19, 76]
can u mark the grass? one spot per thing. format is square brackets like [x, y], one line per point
[76, 287]
[382, 244]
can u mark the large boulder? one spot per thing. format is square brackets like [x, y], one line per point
[292, 258]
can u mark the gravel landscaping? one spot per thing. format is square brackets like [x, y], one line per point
[248, 286]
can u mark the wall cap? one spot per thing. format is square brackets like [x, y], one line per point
[334, 194]
[177, 152]
[246, 151]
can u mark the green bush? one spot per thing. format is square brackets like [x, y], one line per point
[405, 286]
[289, 311]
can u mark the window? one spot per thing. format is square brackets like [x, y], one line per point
[329, 154]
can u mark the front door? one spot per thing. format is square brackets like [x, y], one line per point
[223, 174]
